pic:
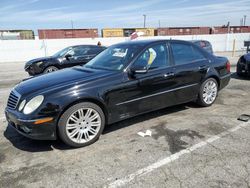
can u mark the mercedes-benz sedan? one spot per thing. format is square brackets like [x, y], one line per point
[125, 80]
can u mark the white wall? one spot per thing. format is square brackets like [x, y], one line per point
[24, 50]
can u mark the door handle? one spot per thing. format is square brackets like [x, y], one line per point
[169, 74]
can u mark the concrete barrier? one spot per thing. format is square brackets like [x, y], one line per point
[24, 50]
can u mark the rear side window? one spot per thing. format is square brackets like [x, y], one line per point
[184, 53]
[94, 50]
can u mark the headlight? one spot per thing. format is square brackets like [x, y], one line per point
[22, 105]
[33, 104]
[39, 63]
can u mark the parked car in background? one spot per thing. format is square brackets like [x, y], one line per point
[68, 57]
[204, 44]
[243, 65]
[125, 80]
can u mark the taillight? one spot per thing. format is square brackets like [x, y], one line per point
[228, 66]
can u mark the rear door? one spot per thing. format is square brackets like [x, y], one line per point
[190, 68]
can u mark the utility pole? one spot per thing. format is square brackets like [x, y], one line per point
[244, 22]
[72, 24]
[72, 29]
[159, 23]
[144, 24]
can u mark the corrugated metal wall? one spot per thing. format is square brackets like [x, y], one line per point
[67, 33]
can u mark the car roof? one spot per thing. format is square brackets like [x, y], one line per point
[88, 45]
[197, 41]
[151, 41]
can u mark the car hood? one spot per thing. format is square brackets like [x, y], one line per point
[61, 78]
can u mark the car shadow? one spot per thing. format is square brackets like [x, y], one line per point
[147, 116]
[26, 144]
[29, 145]
[235, 76]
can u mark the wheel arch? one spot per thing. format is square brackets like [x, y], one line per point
[86, 99]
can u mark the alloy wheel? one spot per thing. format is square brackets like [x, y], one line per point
[210, 92]
[51, 69]
[83, 125]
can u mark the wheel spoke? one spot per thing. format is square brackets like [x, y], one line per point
[79, 137]
[86, 135]
[88, 113]
[92, 118]
[81, 114]
[95, 124]
[73, 133]
[71, 126]
[93, 131]
[74, 118]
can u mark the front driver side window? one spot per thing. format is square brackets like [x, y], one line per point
[153, 57]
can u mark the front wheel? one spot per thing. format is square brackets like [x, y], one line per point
[50, 69]
[81, 125]
[208, 92]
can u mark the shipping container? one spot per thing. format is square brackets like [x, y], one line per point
[109, 32]
[231, 29]
[67, 33]
[17, 35]
[149, 32]
[183, 31]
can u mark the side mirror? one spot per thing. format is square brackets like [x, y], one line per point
[138, 70]
[67, 56]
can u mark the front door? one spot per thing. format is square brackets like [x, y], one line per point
[151, 90]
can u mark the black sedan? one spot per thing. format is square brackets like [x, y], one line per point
[125, 80]
[243, 65]
[68, 57]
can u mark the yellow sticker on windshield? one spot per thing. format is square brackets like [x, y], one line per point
[152, 56]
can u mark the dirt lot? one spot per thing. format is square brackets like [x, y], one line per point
[190, 147]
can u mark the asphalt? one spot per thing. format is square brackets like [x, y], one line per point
[190, 146]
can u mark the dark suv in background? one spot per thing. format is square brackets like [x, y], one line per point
[68, 57]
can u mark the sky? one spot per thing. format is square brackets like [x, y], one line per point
[50, 14]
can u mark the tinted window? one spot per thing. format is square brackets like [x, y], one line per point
[154, 57]
[184, 53]
[79, 51]
[95, 51]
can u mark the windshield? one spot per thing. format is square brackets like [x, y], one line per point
[115, 57]
[62, 52]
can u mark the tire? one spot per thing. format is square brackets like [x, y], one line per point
[50, 69]
[208, 92]
[81, 124]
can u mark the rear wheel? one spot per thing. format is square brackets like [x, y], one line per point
[208, 92]
[50, 69]
[81, 125]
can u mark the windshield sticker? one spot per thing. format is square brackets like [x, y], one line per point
[152, 56]
[118, 53]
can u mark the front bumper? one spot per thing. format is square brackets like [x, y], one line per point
[27, 128]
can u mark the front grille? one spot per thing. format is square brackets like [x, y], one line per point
[13, 99]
